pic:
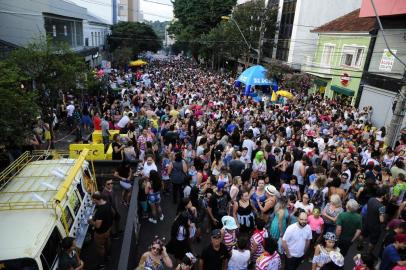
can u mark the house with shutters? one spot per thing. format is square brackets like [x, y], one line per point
[343, 51]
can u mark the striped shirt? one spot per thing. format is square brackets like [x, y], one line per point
[229, 239]
[268, 262]
[258, 239]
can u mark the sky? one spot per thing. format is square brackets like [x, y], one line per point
[154, 10]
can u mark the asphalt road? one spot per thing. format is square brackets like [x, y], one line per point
[148, 230]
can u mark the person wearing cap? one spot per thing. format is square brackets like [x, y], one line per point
[218, 205]
[296, 241]
[349, 226]
[390, 255]
[215, 256]
[323, 250]
[229, 232]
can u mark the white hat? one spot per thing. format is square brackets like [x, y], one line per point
[229, 223]
[271, 190]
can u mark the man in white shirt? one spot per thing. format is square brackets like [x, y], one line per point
[250, 145]
[124, 121]
[69, 113]
[296, 241]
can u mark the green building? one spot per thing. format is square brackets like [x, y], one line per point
[342, 53]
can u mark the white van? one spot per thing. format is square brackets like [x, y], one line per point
[41, 202]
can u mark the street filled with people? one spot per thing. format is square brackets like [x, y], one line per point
[261, 184]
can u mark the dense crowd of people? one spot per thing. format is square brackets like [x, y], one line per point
[272, 184]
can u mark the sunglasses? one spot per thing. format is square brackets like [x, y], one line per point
[156, 248]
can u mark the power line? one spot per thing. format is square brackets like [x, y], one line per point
[159, 3]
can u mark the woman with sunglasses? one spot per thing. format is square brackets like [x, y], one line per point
[156, 257]
[357, 186]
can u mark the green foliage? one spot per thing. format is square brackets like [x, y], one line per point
[52, 66]
[159, 28]
[121, 57]
[288, 78]
[226, 38]
[195, 18]
[298, 81]
[44, 68]
[139, 37]
[19, 110]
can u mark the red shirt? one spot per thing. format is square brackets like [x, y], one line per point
[97, 123]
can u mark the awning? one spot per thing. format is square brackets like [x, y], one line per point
[320, 82]
[342, 90]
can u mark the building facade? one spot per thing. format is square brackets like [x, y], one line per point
[61, 21]
[296, 18]
[129, 11]
[382, 80]
[341, 55]
[95, 35]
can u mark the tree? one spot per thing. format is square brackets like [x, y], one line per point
[30, 83]
[138, 37]
[195, 18]
[159, 28]
[19, 106]
[226, 39]
[288, 78]
[52, 67]
[121, 57]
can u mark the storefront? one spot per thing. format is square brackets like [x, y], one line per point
[343, 94]
[320, 85]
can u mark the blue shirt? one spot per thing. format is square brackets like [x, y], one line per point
[390, 257]
[230, 128]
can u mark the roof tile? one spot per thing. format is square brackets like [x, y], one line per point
[350, 22]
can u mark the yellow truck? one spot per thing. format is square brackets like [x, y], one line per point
[43, 198]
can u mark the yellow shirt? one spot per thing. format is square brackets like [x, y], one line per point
[174, 113]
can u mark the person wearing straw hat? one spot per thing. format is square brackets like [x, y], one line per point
[266, 208]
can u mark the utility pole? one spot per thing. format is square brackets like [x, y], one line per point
[398, 115]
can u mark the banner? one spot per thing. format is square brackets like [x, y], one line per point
[387, 61]
[96, 151]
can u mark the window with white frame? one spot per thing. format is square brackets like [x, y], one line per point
[327, 54]
[352, 56]
[92, 39]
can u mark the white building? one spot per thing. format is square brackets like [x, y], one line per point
[296, 18]
[102, 9]
[95, 32]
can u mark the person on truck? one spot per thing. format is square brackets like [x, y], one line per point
[69, 257]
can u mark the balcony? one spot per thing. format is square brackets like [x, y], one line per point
[311, 66]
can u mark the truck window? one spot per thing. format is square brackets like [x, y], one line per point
[50, 252]
[19, 264]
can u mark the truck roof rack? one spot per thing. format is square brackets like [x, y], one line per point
[38, 180]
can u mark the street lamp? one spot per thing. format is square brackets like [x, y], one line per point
[228, 18]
